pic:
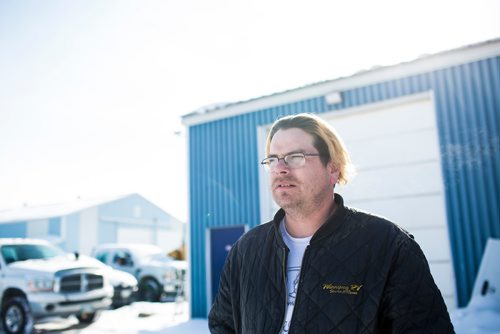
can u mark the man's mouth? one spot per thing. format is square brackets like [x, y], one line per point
[283, 185]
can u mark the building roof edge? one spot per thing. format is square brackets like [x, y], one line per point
[448, 58]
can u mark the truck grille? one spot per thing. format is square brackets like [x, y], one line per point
[81, 283]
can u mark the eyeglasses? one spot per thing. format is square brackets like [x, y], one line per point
[292, 160]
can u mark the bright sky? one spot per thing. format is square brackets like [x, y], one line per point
[91, 91]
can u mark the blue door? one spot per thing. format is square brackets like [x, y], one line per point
[221, 241]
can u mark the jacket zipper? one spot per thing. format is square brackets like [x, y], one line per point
[283, 266]
[299, 287]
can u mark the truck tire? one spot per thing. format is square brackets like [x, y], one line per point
[17, 317]
[87, 318]
[149, 290]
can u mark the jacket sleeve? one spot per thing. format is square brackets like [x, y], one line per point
[221, 318]
[412, 302]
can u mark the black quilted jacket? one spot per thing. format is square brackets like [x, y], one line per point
[360, 274]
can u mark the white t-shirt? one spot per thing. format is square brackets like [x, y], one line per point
[297, 247]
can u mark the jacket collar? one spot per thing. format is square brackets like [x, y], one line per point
[331, 224]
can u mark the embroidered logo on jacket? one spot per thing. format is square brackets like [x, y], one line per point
[352, 289]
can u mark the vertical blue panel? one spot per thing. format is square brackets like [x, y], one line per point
[13, 230]
[467, 113]
[55, 226]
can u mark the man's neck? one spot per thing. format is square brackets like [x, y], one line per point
[305, 224]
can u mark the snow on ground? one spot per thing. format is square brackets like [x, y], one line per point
[138, 318]
[482, 315]
[173, 318]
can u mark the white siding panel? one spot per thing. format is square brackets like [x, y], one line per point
[38, 228]
[395, 181]
[431, 242]
[135, 235]
[88, 230]
[169, 240]
[443, 276]
[409, 212]
[450, 302]
[403, 148]
[396, 151]
[383, 122]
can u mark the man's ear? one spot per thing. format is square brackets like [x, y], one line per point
[334, 173]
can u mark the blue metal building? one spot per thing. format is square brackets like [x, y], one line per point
[462, 88]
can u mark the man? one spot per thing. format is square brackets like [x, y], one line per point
[319, 266]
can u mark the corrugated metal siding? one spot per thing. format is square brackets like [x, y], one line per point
[468, 105]
[224, 163]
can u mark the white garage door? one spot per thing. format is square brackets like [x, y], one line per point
[142, 235]
[395, 149]
[394, 146]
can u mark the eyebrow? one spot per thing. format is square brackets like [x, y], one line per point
[291, 152]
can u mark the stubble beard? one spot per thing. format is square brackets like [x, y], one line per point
[287, 202]
[299, 205]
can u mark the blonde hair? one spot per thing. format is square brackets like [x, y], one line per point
[326, 141]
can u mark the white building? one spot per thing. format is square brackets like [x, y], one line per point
[82, 224]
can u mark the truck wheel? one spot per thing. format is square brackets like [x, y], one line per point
[87, 318]
[149, 290]
[16, 316]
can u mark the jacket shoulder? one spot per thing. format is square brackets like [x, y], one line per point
[252, 242]
[377, 224]
[257, 234]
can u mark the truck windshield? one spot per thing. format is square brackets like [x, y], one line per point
[147, 251]
[153, 253]
[14, 253]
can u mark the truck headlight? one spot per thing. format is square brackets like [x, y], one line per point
[39, 284]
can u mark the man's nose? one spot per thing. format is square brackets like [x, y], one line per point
[281, 167]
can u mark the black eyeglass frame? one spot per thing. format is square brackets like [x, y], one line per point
[267, 163]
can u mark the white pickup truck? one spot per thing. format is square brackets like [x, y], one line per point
[158, 275]
[39, 280]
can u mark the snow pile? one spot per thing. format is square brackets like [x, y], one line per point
[137, 318]
[480, 317]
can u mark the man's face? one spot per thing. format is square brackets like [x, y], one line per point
[303, 188]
